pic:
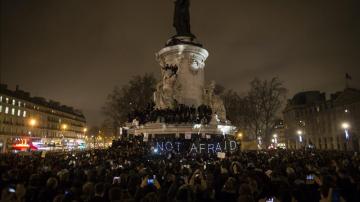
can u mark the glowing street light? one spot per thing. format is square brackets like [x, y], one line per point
[64, 126]
[240, 135]
[259, 142]
[32, 122]
[84, 130]
[346, 127]
[275, 136]
[299, 132]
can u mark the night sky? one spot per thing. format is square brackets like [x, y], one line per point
[76, 51]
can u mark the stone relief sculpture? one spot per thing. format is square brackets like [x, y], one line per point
[166, 90]
[214, 101]
[195, 63]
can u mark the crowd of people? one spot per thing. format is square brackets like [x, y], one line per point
[129, 171]
[180, 114]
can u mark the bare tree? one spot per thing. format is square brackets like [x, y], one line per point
[93, 131]
[264, 100]
[136, 95]
[235, 108]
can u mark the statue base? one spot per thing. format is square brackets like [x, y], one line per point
[182, 130]
[186, 139]
[179, 39]
[182, 76]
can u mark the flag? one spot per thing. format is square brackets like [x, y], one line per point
[347, 76]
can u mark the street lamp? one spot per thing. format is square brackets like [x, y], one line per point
[64, 126]
[346, 127]
[275, 136]
[299, 132]
[94, 139]
[99, 142]
[32, 123]
[259, 142]
[84, 130]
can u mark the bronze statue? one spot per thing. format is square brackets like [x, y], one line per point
[182, 18]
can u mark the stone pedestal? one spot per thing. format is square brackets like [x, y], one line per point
[189, 62]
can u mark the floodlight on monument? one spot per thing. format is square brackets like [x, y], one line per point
[225, 129]
[197, 126]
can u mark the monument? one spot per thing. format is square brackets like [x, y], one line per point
[182, 85]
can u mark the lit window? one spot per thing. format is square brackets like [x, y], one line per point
[6, 110]
[24, 113]
[0, 108]
[19, 104]
[19, 112]
[13, 102]
[7, 100]
[13, 111]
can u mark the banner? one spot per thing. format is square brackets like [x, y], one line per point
[200, 147]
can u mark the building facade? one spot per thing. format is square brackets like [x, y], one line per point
[25, 119]
[278, 138]
[311, 120]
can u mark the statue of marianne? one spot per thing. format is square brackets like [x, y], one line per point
[182, 18]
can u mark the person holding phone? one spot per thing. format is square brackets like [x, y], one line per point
[150, 181]
[197, 180]
[14, 193]
[310, 179]
[116, 180]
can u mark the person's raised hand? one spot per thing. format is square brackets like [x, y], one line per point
[157, 184]
[144, 182]
[328, 198]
